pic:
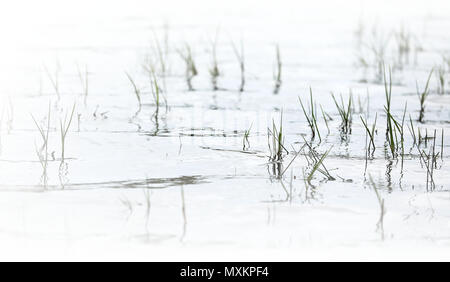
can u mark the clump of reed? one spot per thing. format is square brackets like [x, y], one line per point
[400, 128]
[83, 75]
[345, 112]
[157, 95]
[245, 139]
[446, 61]
[430, 160]
[371, 133]
[191, 69]
[214, 71]
[64, 126]
[137, 91]
[395, 136]
[440, 77]
[277, 71]
[276, 142]
[239, 53]
[419, 138]
[161, 51]
[316, 163]
[42, 151]
[326, 118]
[390, 128]
[360, 105]
[378, 47]
[403, 39]
[277, 151]
[394, 128]
[423, 96]
[359, 33]
[311, 115]
[156, 89]
[54, 78]
[422, 137]
[362, 63]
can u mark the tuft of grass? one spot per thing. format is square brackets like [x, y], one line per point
[428, 159]
[412, 130]
[440, 75]
[360, 104]
[42, 152]
[157, 94]
[345, 112]
[54, 79]
[64, 126]
[311, 116]
[361, 62]
[316, 161]
[245, 140]
[84, 80]
[137, 91]
[391, 134]
[276, 142]
[326, 118]
[240, 56]
[277, 72]
[421, 138]
[398, 129]
[371, 133]
[378, 47]
[423, 96]
[214, 71]
[162, 50]
[191, 69]
[403, 39]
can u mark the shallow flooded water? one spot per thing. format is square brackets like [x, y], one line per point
[106, 154]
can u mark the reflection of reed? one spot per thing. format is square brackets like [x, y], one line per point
[388, 175]
[42, 152]
[183, 212]
[63, 173]
[380, 223]
[277, 72]
[147, 210]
